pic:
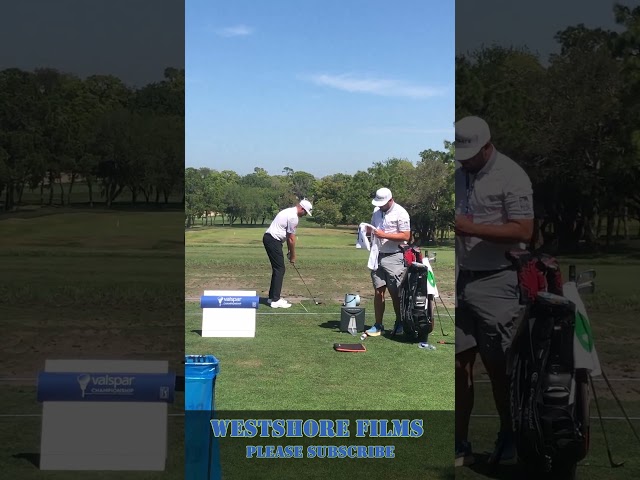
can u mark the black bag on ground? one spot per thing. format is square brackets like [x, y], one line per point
[549, 397]
[416, 306]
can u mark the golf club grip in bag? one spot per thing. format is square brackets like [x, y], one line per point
[416, 306]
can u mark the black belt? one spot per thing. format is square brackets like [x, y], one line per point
[386, 254]
[476, 274]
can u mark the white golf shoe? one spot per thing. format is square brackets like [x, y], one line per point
[282, 303]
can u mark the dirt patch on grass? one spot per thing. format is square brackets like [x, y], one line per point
[149, 336]
[250, 363]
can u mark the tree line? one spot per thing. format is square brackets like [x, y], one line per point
[425, 189]
[58, 130]
[573, 123]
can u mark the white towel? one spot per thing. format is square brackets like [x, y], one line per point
[373, 246]
[373, 256]
[363, 240]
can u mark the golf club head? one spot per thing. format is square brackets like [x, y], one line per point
[585, 283]
[305, 284]
[587, 287]
[586, 276]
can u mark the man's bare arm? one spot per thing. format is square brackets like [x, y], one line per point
[398, 237]
[517, 230]
[291, 245]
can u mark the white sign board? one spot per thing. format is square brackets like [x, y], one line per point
[91, 434]
[232, 321]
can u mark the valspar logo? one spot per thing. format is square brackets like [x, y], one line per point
[105, 384]
[229, 300]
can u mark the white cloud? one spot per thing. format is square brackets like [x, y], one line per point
[235, 31]
[375, 86]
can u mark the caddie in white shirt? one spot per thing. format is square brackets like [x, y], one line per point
[283, 228]
[494, 213]
[392, 227]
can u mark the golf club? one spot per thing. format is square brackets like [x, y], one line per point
[314, 298]
[624, 412]
[438, 315]
[606, 440]
[445, 307]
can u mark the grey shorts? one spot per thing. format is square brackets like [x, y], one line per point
[487, 313]
[389, 272]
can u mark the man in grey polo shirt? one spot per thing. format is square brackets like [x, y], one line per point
[494, 213]
[393, 228]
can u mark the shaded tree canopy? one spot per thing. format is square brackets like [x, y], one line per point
[58, 131]
[573, 123]
[424, 188]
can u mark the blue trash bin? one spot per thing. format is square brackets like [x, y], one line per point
[202, 459]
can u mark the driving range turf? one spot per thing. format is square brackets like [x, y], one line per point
[291, 364]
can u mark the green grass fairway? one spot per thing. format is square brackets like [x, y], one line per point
[76, 280]
[291, 364]
[234, 258]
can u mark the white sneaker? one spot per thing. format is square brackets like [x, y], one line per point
[282, 303]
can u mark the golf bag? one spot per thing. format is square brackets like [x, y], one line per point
[416, 305]
[549, 396]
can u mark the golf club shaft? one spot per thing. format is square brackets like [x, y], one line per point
[447, 310]
[604, 433]
[296, 268]
[438, 315]
[620, 405]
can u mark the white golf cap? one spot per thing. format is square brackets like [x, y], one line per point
[383, 195]
[306, 204]
[472, 133]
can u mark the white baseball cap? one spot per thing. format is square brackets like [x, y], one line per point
[472, 133]
[306, 204]
[383, 195]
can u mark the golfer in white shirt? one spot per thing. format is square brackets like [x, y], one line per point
[282, 228]
[392, 226]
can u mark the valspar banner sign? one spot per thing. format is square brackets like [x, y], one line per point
[228, 301]
[106, 387]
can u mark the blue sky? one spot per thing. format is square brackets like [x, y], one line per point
[323, 86]
[134, 41]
